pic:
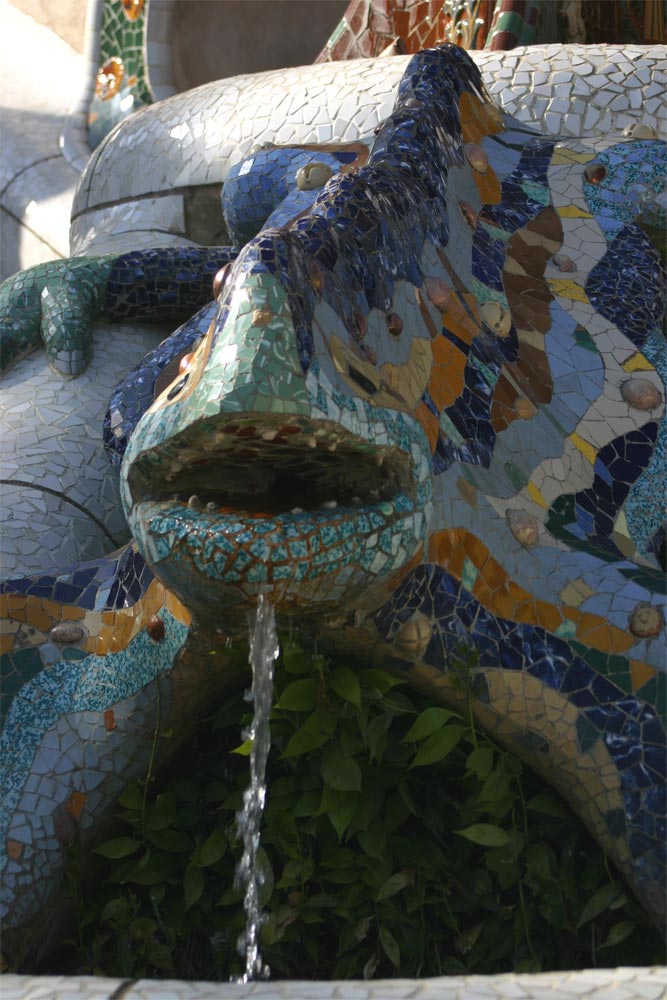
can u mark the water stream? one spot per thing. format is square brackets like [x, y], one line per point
[263, 653]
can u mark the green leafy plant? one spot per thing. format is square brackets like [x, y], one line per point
[397, 840]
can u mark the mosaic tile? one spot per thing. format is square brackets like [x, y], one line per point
[416, 397]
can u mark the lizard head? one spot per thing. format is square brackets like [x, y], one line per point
[257, 470]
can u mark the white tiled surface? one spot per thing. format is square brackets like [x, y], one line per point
[195, 137]
[58, 446]
[591, 984]
[40, 75]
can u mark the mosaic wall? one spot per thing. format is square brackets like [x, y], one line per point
[426, 409]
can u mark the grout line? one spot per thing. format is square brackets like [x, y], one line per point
[37, 235]
[40, 488]
[29, 166]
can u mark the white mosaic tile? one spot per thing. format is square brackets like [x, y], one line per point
[598, 984]
[58, 446]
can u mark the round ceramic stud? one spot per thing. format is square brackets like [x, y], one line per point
[641, 394]
[640, 131]
[476, 157]
[524, 527]
[414, 636]
[496, 318]
[563, 262]
[595, 173]
[524, 408]
[66, 632]
[438, 292]
[155, 628]
[646, 621]
[312, 176]
[394, 324]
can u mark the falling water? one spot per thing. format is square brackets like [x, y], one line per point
[263, 652]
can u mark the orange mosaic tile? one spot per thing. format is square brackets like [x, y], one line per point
[640, 674]
[488, 187]
[14, 849]
[75, 804]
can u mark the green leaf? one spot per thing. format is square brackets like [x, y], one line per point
[370, 804]
[294, 660]
[406, 795]
[480, 762]
[548, 805]
[217, 791]
[371, 965]
[427, 722]
[212, 849]
[342, 812]
[342, 857]
[374, 840]
[485, 834]
[340, 772]
[151, 870]
[299, 696]
[541, 861]
[618, 933]
[378, 680]
[306, 804]
[315, 731]
[121, 847]
[162, 813]
[467, 940]
[599, 902]
[131, 797]
[346, 685]
[399, 703]
[116, 909]
[186, 790]
[390, 947]
[230, 897]
[243, 749]
[193, 885]
[438, 745]
[170, 840]
[376, 737]
[395, 883]
[142, 928]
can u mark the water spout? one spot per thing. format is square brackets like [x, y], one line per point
[263, 652]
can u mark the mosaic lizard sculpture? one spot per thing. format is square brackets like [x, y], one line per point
[426, 410]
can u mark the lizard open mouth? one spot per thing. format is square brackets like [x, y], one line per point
[304, 510]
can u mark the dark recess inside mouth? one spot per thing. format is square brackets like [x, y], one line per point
[261, 480]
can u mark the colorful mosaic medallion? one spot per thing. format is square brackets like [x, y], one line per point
[424, 414]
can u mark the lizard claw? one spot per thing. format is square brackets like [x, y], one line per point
[55, 304]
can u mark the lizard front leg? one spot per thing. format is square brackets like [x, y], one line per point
[56, 303]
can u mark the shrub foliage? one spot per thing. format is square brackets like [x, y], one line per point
[397, 840]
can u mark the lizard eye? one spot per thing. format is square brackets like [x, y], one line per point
[178, 387]
[220, 280]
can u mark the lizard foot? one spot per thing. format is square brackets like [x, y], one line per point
[55, 304]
